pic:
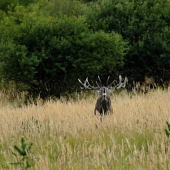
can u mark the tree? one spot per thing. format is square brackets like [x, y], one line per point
[145, 25]
[49, 54]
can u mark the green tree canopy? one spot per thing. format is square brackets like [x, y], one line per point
[49, 54]
[145, 24]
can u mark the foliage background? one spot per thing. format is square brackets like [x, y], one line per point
[45, 46]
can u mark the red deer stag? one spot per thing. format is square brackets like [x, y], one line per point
[103, 104]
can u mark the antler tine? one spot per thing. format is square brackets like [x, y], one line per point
[118, 86]
[81, 82]
[120, 79]
[125, 81]
[92, 87]
[87, 85]
[120, 82]
[84, 84]
[97, 84]
[111, 83]
[108, 80]
[100, 80]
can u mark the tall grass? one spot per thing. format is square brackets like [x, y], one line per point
[66, 134]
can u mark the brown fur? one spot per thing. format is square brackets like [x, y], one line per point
[103, 104]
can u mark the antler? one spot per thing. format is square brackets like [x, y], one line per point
[107, 81]
[88, 86]
[120, 82]
[118, 86]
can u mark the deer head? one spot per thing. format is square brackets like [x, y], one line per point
[103, 104]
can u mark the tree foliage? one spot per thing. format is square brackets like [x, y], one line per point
[145, 25]
[49, 54]
[48, 45]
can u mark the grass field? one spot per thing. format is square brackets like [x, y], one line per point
[66, 135]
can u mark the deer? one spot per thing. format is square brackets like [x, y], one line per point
[103, 103]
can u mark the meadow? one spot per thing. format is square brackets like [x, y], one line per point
[67, 136]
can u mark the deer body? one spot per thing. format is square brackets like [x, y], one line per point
[103, 104]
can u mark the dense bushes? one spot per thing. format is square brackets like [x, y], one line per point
[49, 54]
[47, 45]
[145, 25]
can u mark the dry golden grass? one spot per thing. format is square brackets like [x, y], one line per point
[66, 135]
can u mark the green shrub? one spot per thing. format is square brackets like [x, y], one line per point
[2, 14]
[145, 25]
[23, 157]
[4, 4]
[49, 54]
